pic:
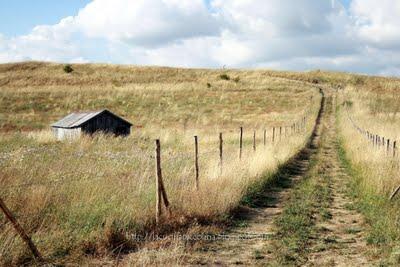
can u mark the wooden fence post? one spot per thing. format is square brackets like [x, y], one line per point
[241, 143]
[220, 151]
[265, 137]
[21, 232]
[254, 141]
[394, 148]
[388, 146]
[196, 161]
[273, 135]
[280, 133]
[161, 195]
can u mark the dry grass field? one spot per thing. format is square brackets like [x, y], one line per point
[85, 197]
[374, 106]
[82, 200]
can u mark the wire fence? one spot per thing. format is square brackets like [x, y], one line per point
[222, 152]
[377, 141]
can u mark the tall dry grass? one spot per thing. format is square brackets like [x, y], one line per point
[374, 170]
[86, 196]
[71, 194]
[379, 166]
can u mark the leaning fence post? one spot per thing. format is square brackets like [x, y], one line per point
[241, 143]
[18, 228]
[254, 141]
[158, 173]
[196, 161]
[161, 194]
[220, 151]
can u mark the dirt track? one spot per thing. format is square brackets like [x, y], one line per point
[338, 241]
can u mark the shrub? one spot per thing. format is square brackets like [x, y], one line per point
[315, 80]
[236, 80]
[68, 68]
[225, 77]
[208, 85]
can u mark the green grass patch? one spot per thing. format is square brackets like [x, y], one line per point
[296, 225]
[382, 215]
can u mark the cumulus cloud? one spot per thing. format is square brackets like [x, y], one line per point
[44, 42]
[377, 22]
[283, 34]
[147, 22]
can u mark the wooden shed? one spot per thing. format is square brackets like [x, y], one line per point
[103, 121]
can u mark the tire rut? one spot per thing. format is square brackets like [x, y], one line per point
[259, 220]
[341, 238]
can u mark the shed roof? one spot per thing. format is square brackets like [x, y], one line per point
[74, 120]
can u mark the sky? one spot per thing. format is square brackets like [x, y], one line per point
[360, 36]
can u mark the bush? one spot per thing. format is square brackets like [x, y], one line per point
[68, 68]
[208, 85]
[236, 80]
[225, 77]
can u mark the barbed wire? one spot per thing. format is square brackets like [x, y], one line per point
[375, 139]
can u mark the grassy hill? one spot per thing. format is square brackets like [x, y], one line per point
[84, 197]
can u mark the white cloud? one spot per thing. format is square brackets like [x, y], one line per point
[284, 34]
[49, 43]
[147, 22]
[377, 22]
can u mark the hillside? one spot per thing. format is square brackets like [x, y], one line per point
[303, 163]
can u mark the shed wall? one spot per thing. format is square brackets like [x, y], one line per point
[62, 133]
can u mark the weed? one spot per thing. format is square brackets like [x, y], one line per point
[224, 77]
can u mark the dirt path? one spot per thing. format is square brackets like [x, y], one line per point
[341, 238]
[248, 243]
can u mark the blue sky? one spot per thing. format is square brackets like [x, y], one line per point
[277, 34]
[20, 16]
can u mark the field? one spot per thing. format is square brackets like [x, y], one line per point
[81, 195]
[81, 200]
[375, 167]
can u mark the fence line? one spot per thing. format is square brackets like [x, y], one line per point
[376, 140]
[161, 194]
